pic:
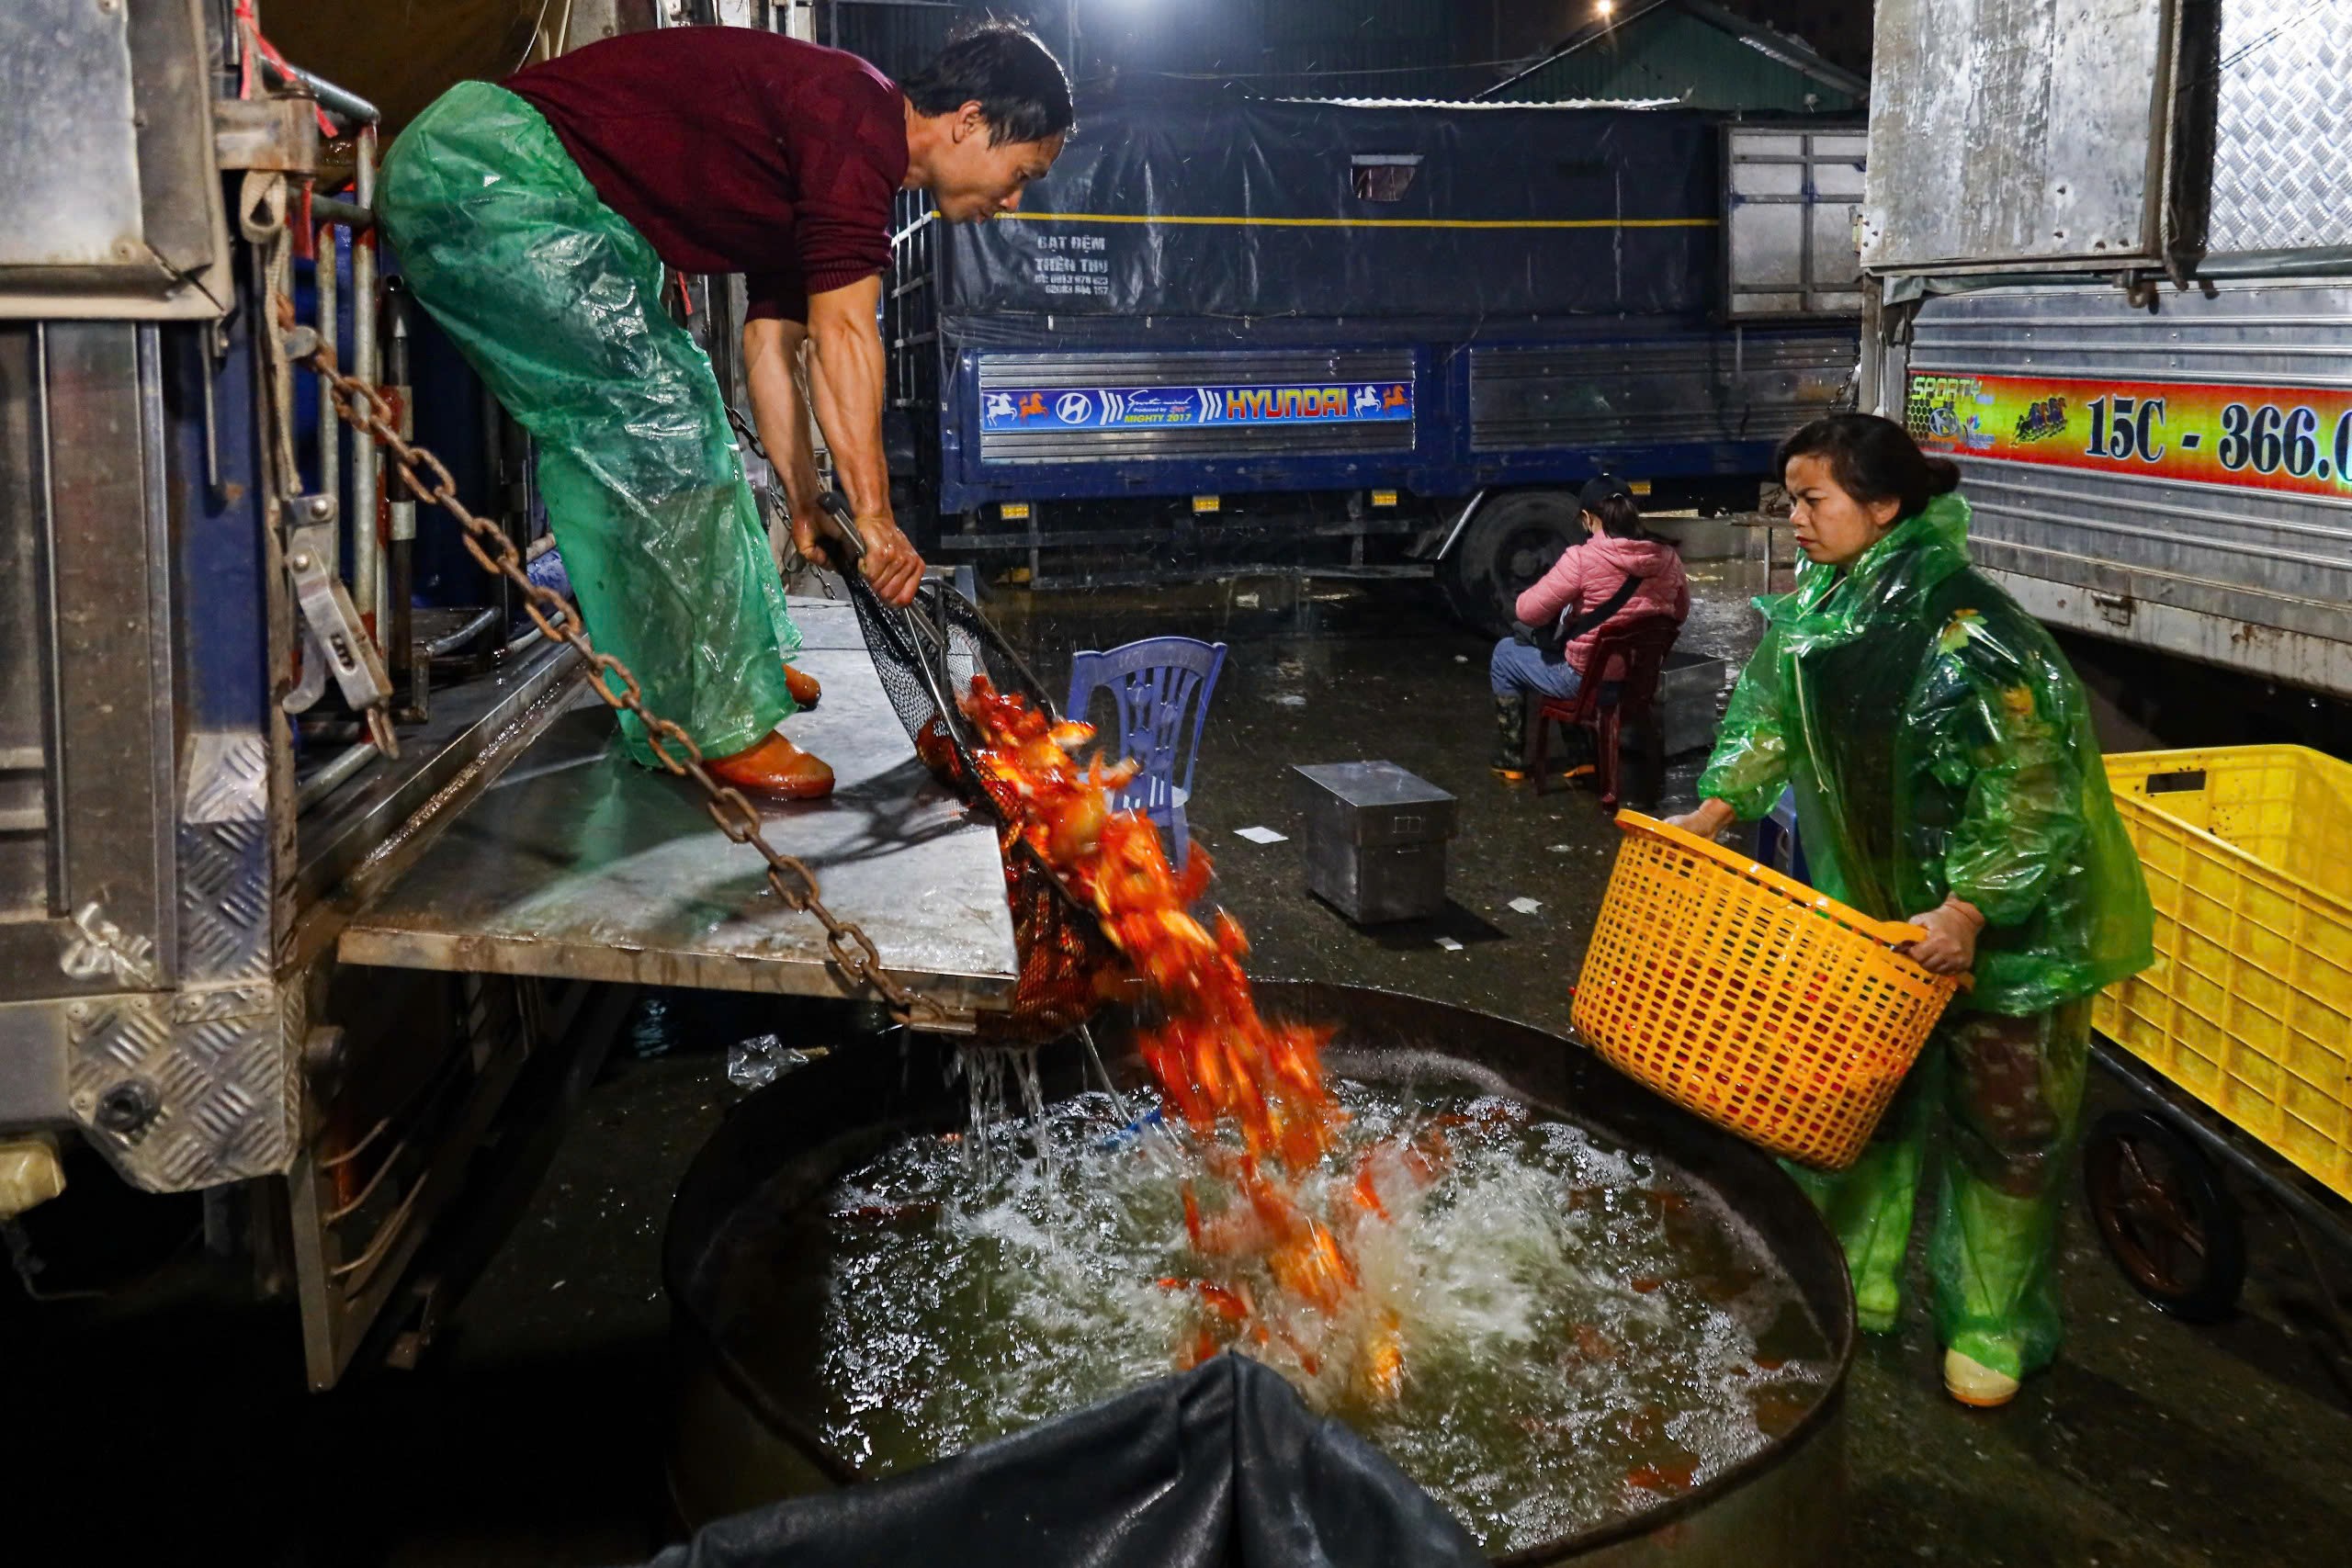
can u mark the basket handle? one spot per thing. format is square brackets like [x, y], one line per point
[1893, 933]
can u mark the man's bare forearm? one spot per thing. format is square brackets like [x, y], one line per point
[846, 380]
[779, 412]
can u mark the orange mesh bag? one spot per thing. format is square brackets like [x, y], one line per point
[1746, 997]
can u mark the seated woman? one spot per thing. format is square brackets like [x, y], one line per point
[1946, 774]
[1587, 578]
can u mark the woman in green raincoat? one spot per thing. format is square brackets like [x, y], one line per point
[1945, 772]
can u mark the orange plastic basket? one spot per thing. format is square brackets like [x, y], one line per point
[1745, 996]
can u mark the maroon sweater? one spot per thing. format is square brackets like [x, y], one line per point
[733, 150]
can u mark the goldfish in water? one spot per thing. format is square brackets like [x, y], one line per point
[1218, 1062]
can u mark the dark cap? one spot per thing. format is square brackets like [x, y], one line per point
[1598, 491]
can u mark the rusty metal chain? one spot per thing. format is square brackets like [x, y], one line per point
[846, 945]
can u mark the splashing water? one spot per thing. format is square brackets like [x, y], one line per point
[1543, 1330]
[1583, 1332]
[989, 1118]
[1285, 1268]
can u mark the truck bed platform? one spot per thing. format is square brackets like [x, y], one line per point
[579, 864]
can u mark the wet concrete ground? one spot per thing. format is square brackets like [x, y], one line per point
[532, 1434]
[2151, 1442]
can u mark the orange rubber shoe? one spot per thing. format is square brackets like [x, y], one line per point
[803, 686]
[775, 766]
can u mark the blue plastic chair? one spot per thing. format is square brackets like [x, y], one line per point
[1162, 686]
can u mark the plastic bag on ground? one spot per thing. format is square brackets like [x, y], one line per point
[760, 1061]
[1221, 1467]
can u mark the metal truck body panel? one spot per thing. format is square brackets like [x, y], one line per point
[2164, 134]
[1985, 147]
[1434, 420]
[2159, 451]
[191, 811]
[2187, 455]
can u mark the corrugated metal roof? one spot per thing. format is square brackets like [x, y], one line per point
[1394, 50]
[1289, 47]
[1272, 48]
[1695, 52]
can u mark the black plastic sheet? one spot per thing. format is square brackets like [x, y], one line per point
[1221, 1467]
[1263, 208]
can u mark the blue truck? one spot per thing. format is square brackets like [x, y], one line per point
[1229, 333]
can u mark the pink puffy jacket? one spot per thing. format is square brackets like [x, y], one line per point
[1589, 576]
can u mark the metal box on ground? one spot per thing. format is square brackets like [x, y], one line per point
[1689, 699]
[1375, 839]
[1697, 538]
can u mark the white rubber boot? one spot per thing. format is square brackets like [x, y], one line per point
[1975, 1384]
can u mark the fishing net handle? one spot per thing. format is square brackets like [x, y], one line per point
[921, 634]
[1006, 667]
[836, 505]
[896, 633]
[911, 630]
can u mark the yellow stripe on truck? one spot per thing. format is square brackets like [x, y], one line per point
[1200, 218]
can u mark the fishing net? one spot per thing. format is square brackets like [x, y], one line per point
[927, 655]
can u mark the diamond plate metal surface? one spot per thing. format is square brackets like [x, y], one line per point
[219, 1070]
[99, 947]
[2281, 179]
[228, 778]
[224, 861]
[224, 901]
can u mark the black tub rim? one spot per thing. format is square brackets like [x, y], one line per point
[695, 1193]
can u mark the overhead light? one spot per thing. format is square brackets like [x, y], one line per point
[1604, 8]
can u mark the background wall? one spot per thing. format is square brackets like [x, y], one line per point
[402, 53]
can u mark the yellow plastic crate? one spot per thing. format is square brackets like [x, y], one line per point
[2248, 1007]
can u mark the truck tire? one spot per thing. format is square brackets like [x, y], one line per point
[2165, 1216]
[1511, 541]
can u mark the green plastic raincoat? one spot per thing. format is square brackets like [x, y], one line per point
[1938, 744]
[555, 300]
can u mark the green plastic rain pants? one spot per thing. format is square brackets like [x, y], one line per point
[555, 300]
[2011, 1094]
[1938, 744]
